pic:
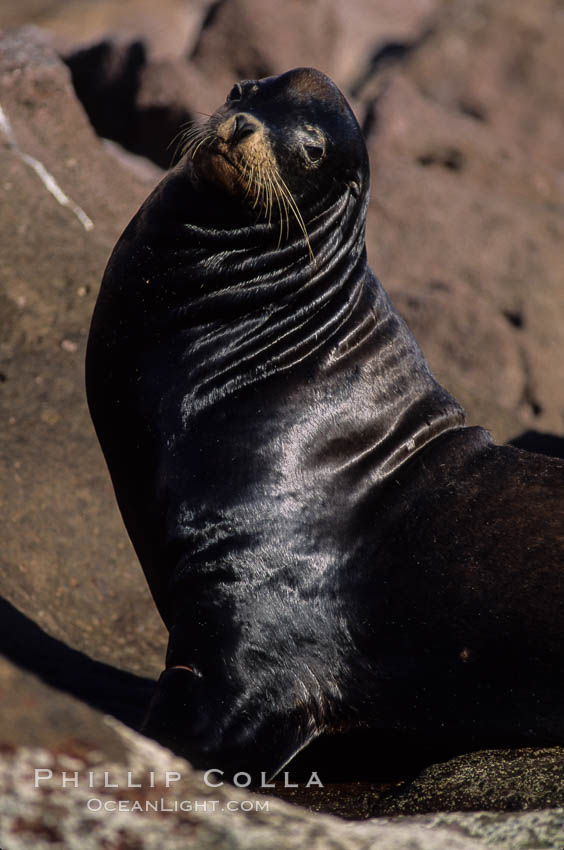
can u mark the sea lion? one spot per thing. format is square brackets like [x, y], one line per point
[329, 546]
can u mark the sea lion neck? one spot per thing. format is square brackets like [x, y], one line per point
[387, 421]
[227, 297]
[217, 263]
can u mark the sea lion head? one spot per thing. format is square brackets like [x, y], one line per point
[282, 143]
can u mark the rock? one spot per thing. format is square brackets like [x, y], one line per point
[494, 60]
[14, 15]
[144, 170]
[168, 28]
[495, 780]
[37, 812]
[251, 39]
[143, 103]
[44, 730]
[142, 99]
[36, 715]
[465, 232]
[102, 686]
[525, 831]
[138, 103]
[366, 28]
[66, 560]
[106, 78]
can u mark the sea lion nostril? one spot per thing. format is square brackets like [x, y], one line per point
[236, 92]
[242, 128]
[314, 152]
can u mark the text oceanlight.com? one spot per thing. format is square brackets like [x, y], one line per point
[95, 804]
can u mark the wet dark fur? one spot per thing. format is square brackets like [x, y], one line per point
[327, 544]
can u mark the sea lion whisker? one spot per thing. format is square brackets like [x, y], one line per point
[193, 131]
[198, 136]
[263, 188]
[299, 218]
[282, 209]
[250, 178]
[203, 141]
[281, 227]
[257, 186]
[243, 176]
[189, 143]
[185, 129]
[250, 182]
[287, 212]
[194, 136]
[285, 215]
[186, 132]
[269, 196]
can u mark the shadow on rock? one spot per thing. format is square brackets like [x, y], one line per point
[107, 688]
[540, 443]
[130, 100]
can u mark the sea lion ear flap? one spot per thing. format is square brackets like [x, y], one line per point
[213, 734]
[354, 186]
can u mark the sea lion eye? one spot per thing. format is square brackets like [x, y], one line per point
[314, 152]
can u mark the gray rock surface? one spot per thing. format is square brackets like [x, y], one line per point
[524, 831]
[502, 780]
[51, 816]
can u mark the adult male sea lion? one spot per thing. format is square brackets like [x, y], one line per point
[328, 545]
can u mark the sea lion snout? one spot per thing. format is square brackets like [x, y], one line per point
[237, 128]
[231, 147]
